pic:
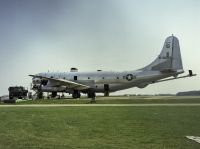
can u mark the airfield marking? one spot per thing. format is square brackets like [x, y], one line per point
[194, 138]
[103, 105]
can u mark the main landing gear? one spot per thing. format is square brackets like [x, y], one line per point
[53, 94]
[106, 90]
[92, 95]
[76, 94]
[106, 93]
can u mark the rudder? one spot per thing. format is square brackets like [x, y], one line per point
[169, 59]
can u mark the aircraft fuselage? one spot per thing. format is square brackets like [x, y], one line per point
[167, 64]
[115, 81]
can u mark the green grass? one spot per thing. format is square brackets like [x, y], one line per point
[118, 100]
[99, 127]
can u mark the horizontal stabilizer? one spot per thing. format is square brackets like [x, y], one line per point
[186, 76]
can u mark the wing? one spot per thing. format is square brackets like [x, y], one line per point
[67, 83]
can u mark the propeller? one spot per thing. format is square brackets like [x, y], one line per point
[44, 82]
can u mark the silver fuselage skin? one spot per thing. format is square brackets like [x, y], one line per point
[96, 80]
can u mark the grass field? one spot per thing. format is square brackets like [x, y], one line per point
[99, 127]
[119, 100]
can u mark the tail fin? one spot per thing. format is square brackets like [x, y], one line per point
[169, 59]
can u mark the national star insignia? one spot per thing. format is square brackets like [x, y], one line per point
[129, 77]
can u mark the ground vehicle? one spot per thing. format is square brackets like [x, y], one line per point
[17, 92]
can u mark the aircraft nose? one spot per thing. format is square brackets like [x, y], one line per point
[36, 81]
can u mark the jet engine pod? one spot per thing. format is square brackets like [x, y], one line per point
[36, 81]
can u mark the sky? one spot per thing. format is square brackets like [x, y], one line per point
[118, 35]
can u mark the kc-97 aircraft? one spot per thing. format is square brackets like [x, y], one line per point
[167, 66]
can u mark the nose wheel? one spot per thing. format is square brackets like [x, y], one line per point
[40, 95]
[37, 90]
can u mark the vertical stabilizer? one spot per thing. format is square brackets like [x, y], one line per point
[169, 59]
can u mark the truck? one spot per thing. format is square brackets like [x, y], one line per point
[17, 92]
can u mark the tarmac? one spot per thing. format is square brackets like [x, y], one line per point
[103, 105]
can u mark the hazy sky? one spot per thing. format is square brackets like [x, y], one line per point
[41, 35]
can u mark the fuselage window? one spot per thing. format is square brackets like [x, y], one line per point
[88, 78]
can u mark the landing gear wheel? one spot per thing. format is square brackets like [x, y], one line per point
[106, 94]
[92, 95]
[40, 95]
[54, 94]
[76, 94]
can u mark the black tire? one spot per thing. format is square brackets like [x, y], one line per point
[91, 95]
[79, 95]
[40, 95]
[54, 94]
[76, 94]
[106, 94]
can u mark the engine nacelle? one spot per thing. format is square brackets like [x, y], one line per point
[36, 81]
[44, 82]
[36, 87]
